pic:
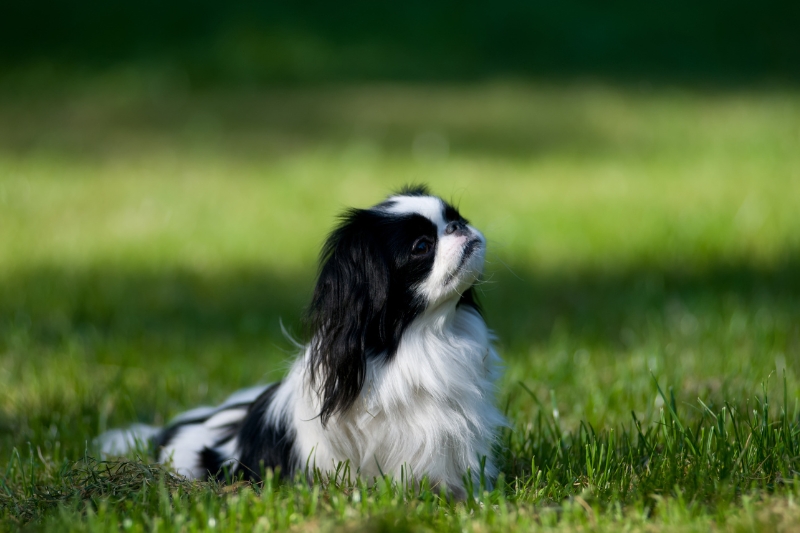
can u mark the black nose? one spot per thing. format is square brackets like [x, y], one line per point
[455, 226]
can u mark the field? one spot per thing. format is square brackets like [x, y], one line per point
[642, 281]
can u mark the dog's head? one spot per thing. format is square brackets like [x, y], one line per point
[381, 269]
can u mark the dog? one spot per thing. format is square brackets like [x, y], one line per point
[398, 375]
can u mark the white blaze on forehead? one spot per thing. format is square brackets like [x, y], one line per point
[428, 206]
[451, 273]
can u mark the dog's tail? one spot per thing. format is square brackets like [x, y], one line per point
[137, 437]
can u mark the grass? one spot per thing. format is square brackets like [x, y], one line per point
[642, 280]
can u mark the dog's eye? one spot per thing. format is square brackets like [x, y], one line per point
[422, 246]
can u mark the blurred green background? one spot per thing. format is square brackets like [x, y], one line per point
[168, 172]
[738, 40]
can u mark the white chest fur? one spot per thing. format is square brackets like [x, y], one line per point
[429, 409]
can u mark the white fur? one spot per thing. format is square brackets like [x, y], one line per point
[428, 410]
[448, 250]
[428, 206]
[122, 441]
[182, 451]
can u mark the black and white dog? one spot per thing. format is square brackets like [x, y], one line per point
[399, 372]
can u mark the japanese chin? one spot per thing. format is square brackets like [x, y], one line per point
[398, 374]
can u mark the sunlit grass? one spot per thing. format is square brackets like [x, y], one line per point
[151, 241]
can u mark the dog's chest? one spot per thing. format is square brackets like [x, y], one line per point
[424, 408]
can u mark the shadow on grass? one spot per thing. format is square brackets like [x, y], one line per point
[174, 332]
[246, 305]
[613, 308]
[52, 305]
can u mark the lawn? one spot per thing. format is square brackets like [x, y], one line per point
[642, 280]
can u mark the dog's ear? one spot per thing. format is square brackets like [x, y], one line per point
[347, 317]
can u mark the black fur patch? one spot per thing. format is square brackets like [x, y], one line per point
[451, 214]
[364, 298]
[264, 445]
[413, 190]
[211, 460]
[165, 436]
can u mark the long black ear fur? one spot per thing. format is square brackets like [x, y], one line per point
[347, 317]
